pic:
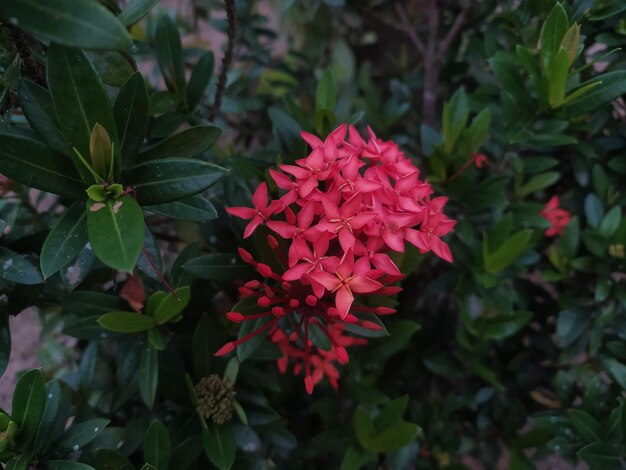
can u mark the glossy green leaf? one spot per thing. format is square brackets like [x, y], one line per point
[54, 417]
[193, 209]
[148, 375]
[610, 222]
[258, 329]
[82, 434]
[355, 458]
[504, 325]
[85, 24]
[538, 183]
[19, 462]
[29, 402]
[116, 231]
[126, 322]
[201, 346]
[15, 267]
[570, 42]
[603, 455]
[552, 33]
[131, 111]
[612, 86]
[391, 413]
[394, 437]
[113, 67]
[219, 445]
[557, 78]
[508, 252]
[593, 210]
[326, 93]
[79, 98]
[169, 53]
[37, 105]
[31, 163]
[170, 305]
[217, 267]
[135, 10]
[363, 426]
[200, 78]
[167, 180]
[617, 371]
[585, 425]
[189, 143]
[65, 240]
[157, 447]
[477, 131]
[455, 114]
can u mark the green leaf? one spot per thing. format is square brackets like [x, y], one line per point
[570, 42]
[171, 179]
[200, 79]
[538, 183]
[505, 325]
[552, 33]
[363, 426]
[31, 163]
[67, 465]
[557, 78]
[29, 402]
[116, 231]
[85, 24]
[610, 222]
[617, 371]
[232, 370]
[201, 346]
[580, 92]
[247, 349]
[193, 209]
[113, 67]
[126, 322]
[355, 458]
[391, 413]
[79, 99]
[455, 114]
[169, 53]
[148, 374]
[477, 131]
[136, 10]
[585, 425]
[507, 253]
[394, 437]
[131, 111]
[602, 455]
[326, 93]
[170, 306]
[217, 267]
[65, 240]
[37, 105]
[15, 267]
[109, 459]
[613, 85]
[88, 303]
[20, 462]
[593, 210]
[54, 417]
[157, 447]
[190, 143]
[79, 435]
[219, 445]
[5, 343]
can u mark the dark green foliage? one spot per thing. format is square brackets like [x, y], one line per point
[112, 225]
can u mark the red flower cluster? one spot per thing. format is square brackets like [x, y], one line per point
[344, 208]
[558, 217]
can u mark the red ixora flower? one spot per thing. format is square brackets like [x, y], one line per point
[344, 208]
[558, 217]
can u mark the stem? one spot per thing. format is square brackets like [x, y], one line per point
[227, 59]
[158, 273]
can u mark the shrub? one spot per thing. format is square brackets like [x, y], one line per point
[413, 209]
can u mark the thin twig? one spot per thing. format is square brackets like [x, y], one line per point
[227, 59]
[158, 273]
[454, 29]
[408, 28]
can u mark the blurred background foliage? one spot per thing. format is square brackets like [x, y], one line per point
[514, 356]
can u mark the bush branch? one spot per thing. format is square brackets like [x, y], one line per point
[227, 59]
